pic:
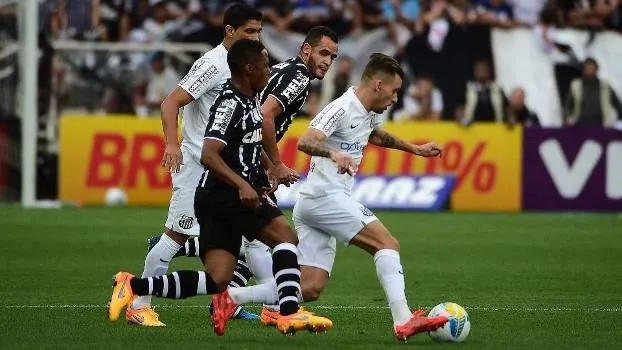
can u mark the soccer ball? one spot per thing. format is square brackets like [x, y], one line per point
[115, 197]
[457, 328]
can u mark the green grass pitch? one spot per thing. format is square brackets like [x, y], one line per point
[534, 281]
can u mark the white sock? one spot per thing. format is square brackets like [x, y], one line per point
[259, 260]
[391, 277]
[156, 264]
[261, 293]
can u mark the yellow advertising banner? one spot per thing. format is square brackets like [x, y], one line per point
[97, 153]
[102, 152]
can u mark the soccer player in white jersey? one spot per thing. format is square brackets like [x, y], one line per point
[325, 211]
[195, 93]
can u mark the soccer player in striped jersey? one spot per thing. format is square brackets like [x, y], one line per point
[195, 93]
[229, 203]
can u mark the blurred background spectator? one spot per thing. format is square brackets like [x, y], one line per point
[422, 101]
[438, 41]
[484, 100]
[517, 112]
[591, 101]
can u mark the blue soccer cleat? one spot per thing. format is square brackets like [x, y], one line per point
[239, 313]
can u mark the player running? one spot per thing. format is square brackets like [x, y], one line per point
[282, 100]
[229, 202]
[195, 93]
[325, 211]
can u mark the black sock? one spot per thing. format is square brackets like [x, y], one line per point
[287, 274]
[241, 275]
[178, 285]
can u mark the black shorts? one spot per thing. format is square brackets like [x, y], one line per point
[223, 219]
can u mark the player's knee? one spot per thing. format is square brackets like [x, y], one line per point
[387, 243]
[311, 292]
[179, 238]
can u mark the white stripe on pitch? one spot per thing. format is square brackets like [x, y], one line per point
[486, 308]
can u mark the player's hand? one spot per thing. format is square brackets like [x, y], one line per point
[345, 163]
[249, 196]
[173, 159]
[429, 149]
[282, 174]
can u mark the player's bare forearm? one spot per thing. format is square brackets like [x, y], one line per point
[269, 140]
[314, 146]
[384, 139]
[266, 163]
[212, 160]
[169, 121]
[170, 111]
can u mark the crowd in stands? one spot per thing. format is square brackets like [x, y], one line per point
[439, 87]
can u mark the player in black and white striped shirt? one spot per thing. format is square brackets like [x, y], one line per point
[228, 203]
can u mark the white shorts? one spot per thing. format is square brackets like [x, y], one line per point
[321, 221]
[181, 216]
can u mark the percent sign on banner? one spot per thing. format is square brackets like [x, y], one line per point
[462, 163]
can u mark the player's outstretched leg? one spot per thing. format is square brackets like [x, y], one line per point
[376, 239]
[286, 284]
[158, 258]
[241, 276]
[177, 285]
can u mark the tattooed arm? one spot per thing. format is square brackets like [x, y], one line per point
[312, 143]
[382, 138]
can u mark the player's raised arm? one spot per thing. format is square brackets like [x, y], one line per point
[383, 138]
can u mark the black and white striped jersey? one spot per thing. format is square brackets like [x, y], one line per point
[289, 83]
[235, 120]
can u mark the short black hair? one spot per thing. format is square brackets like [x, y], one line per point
[243, 52]
[239, 14]
[315, 35]
[590, 60]
[381, 63]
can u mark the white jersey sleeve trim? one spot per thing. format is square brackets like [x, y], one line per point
[215, 138]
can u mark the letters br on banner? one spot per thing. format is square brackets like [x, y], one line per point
[572, 169]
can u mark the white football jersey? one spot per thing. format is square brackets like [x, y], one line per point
[347, 125]
[204, 81]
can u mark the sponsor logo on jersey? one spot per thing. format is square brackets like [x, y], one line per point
[366, 211]
[186, 222]
[253, 136]
[209, 73]
[223, 115]
[330, 123]
[352, 147]
[296, 86]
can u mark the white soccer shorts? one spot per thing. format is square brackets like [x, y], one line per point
[321, 222]
[181, 216]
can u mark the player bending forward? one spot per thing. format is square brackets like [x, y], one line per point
[228, 203]
[196, 93]
[325, 211]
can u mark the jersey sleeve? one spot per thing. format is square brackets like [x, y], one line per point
[222, 120]
[290, 85]
[203, 76]
[329, 119]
